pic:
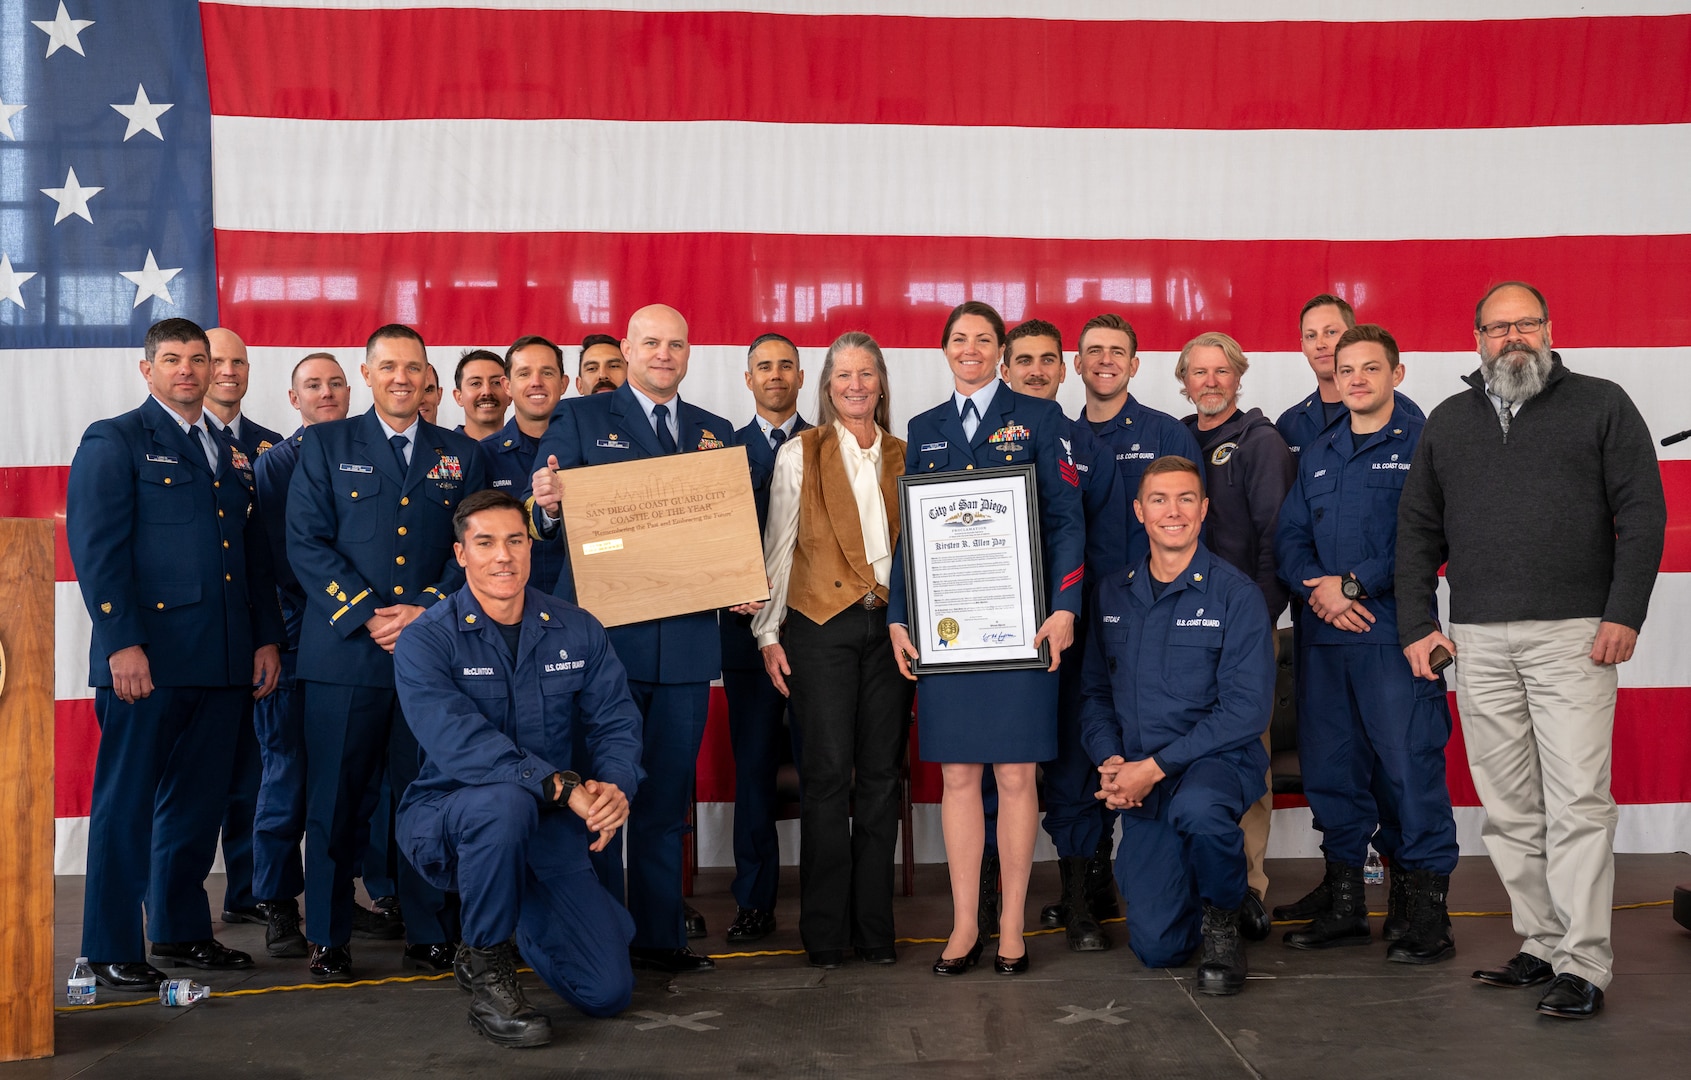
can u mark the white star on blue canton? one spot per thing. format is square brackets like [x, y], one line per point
[72, 198]
[62, 31]
[6, 114]
[11, 280]
[151, 280]
[143, 115]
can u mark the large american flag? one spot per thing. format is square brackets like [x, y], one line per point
[303, 172]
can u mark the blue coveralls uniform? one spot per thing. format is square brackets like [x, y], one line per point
[757, 713]
[254, 440]
[494, 728]
[1000, 716]
[1184, 678]
[1371, 736]
[1300, 426]
[510, 468]
[363, 534]
[670, 664]
[279, 720]
[1110, 458]
[168, 556]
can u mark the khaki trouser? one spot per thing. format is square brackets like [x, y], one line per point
[1538, 719]
[1256, 819]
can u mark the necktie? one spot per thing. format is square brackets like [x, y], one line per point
[1504, 416]
[971, 418]
[204, 439]
[660, 421]
[398, 443]
[777, 436]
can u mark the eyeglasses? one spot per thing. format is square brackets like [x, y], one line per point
[1501, 329]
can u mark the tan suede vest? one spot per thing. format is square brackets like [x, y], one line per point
[830, 572]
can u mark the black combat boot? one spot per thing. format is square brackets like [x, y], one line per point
[987, 911]
[1428, 940]
[1345, 922]
[1101, 881]
[1084, 933]
[497, 1007]
[1312, 904]
[1221, 958]
[1397, 905]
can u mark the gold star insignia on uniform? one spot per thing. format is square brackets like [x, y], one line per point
[469, 618]
[106, 608]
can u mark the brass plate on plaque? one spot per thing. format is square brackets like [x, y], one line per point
[663, 536]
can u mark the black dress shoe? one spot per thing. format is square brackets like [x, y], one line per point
[436, 958]
[1254, 922]
[1018, 966]
[750, 924]
[671, 961]
[1571, 998]
[878, 954]
[207, 954]
[330, 963]
[282, 936]
[255, 914]
[695, 922]
[1517, 972]
[827, 959]
[376, 924]
[137, 977]
[959, 965]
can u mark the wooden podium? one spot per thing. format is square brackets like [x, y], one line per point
[29, 987]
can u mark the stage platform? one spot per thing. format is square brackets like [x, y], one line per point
[1342, 1013]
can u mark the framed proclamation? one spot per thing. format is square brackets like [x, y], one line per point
[973, 569]
[663, 536]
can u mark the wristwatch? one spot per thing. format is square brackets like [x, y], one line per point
[1351, 587]
[567, 782]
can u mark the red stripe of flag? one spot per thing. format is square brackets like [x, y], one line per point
[734, 286]
[316, 64]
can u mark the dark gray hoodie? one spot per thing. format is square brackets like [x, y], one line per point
[1247, 472]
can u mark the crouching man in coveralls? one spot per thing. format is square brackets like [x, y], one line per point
[1179, 674]
[493, 681]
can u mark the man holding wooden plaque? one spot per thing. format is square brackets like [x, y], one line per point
[671, 660]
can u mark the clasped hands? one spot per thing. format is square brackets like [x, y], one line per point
[1125, 784]
[600, 803]
[1327, 599]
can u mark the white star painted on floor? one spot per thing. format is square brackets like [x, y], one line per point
[143, 115]
[6, 114]
[62, 31]
[1106, 1015]
[690, 1022]
[10, 280]
[151, 279]
[72, 198]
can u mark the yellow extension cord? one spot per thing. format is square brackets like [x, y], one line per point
[714, 956]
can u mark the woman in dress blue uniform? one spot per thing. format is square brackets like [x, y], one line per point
[1007, 719]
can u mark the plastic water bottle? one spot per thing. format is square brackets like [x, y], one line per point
[1373, 871]
[80, 987]
[182, 992]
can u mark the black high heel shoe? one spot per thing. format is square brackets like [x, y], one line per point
[942, 966]
[1018, 966]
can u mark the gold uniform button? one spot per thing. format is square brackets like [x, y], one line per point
[400, 561]
[406, 501]
[968, 466]
[161, 605]
[402, 530]
[355, 494]
[399, 590]
[220, 513]
[225, 544]
[217, 483]
[167, 479]
[446, 502]
[1009, 457]
[226, 577]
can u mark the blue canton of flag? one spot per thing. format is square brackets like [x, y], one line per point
[105, 171]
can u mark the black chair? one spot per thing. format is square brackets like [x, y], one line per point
[1283, 762]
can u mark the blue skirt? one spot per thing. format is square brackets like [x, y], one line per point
[989, 717]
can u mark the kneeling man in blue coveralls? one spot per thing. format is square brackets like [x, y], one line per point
[1179, 674]
[494, 681]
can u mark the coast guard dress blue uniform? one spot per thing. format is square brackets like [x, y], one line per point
[494, 728]
[253, 439]
[364, 534]
[756, 710]
[1184, 677]
[168, 556]
[999, 716]
[1371, 736]
[670, 664]
[510, 468]
[1301, 425]
[1110, 456]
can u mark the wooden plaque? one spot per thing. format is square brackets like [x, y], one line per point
[663, 536]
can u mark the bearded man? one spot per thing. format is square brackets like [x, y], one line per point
[1541, 489]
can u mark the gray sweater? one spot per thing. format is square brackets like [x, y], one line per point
[1564, 519]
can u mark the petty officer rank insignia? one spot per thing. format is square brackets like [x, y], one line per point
[1222, 454]
[707, 441]
[447, 468]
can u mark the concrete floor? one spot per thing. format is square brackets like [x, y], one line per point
[1340, 1013]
